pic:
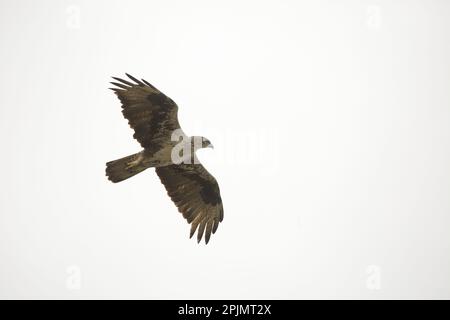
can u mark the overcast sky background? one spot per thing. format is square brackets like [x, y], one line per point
[331, 127]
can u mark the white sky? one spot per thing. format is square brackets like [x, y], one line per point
[331, 127]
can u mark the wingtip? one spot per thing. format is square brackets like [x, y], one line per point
[148, 84]
[215, 226]
[139, 82]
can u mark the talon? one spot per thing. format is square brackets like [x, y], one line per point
[130, 165]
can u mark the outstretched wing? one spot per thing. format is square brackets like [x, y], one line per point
[196, 194]
[151, 114]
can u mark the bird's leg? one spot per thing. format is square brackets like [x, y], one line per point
[135, 162]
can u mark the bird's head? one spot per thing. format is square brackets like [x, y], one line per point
[201, 142]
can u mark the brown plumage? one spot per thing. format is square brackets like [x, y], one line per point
[153, 117]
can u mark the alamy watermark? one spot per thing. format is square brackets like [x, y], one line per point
[373, 280]
[373, 17]
[256, 148]
[73, 279]
[73, 18]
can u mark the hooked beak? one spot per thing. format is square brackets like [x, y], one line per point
[211, 146]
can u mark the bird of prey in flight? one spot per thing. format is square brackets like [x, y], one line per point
[153, 116]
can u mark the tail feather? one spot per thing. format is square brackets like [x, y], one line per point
[119, 170]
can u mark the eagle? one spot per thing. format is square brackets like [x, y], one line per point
[154, 118]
